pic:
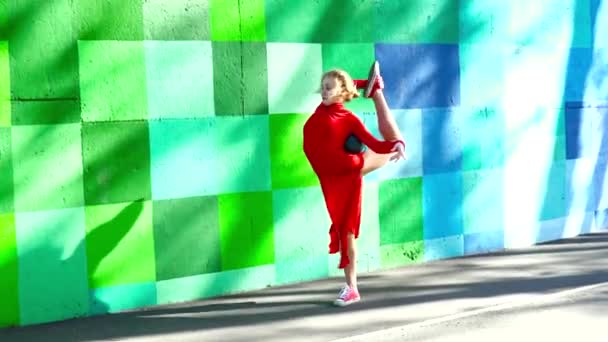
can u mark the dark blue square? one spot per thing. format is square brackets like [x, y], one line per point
[442, 205]
[420, 75]
[574, 120]
[441, 141]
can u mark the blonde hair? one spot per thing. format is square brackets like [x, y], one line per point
[347, 85]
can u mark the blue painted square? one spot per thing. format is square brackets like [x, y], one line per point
[410, 125]
[442, 205]
[119, 298]
[554, 203]
[601, 220]
[580, 130]
[441, 141]
[444, 248]
[579, 66]
[421, 75]
[550, 230]
[580, 194]
[484, 242]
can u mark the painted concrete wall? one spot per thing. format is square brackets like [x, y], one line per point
[150, 151]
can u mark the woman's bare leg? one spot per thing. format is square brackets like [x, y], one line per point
[389, 131]
[350, 271]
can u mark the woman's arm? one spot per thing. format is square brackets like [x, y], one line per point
[378, 146]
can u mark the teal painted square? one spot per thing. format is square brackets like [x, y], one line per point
[444, 248]
[289, 166]
[400, 211]
[545, 23]
[240, 71]
[53, 151]
[416, 21]
[176, 20]
[355, 59]
[43, 50]
[116, 159]
[193, 246]
[120, 298]
[294, 77]
[6, 170]
[482, 206]
[184, 158]
[52, 265]
[215, 284]
[179, 81]
[483, 21]
[112, 80]
[300, 213]
[555, 201]
[246, 230]
[319, 21]
[116, 20]
[482, 74]
[483, 138]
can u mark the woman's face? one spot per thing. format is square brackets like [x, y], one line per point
[330, 90]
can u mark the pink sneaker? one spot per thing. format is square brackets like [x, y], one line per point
[347, 296]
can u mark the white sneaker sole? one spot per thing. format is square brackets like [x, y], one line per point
[342, 303]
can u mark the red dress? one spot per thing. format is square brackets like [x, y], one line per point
[339, 172]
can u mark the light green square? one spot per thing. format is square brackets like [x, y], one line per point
[120, 244]
[289, 166]
[301, 213]
[47, 162]
[117, 20]
[294, 77]
[253, 20]
[356, 60]
[176, 20]
[417, 21]
[112, 80]
[52, 265]
[401, 254]
[246, 230]
[9, 269]
[225, 20]
[401, 215]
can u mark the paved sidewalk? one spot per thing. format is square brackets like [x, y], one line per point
[392, 298]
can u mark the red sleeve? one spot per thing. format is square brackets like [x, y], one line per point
[378, 146]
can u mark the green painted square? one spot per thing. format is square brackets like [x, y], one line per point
[356, 60]
[294, 77]
[179, 81]
[45, 112]
[301, 213]
[400, 211]
[402, 254]
[289, 166]
[483, 139]
[191, 247]
[6, 170]
[120, 244]
[176, 20]
[43, 50]
[225, 20]
[246, 230]
[5, 86]
[240, 78]
[110, 20]
[9, 268]
[113, 80]
[320, 21]
[52, 265]
[253, 20]
[47, 167]
[4, 29]
[418, 21]
[116, 159]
